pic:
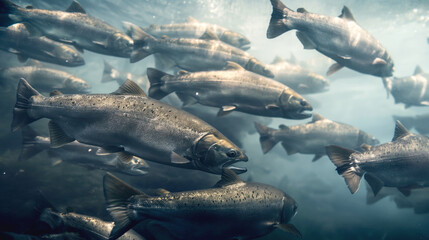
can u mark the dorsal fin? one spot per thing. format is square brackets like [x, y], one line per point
[233, 66]
[191, 20]
[400, 131]
[302, 10]
[283, 127]
[75, 7]
[209, 35]
[55, 93]
[418, 70]
[182, 72]
[317, 117]
[29, 7]
[129, 88]
[278, 59]
[229, 177]
[347, 14]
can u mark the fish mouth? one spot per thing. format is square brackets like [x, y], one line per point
[301, 114]
[237, 170]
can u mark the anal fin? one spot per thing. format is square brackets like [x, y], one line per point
[58, 137]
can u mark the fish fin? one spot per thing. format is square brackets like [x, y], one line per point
[424, 103]
[100, 43]
[117, 194]
[317, 117]
[22, 58]
[273, 107]
[209, 35]
[379, 61]
[229, 177]
[163, 62]
[58, 137]
[7, 7]
[186, 99]
[55, 158]
[55, 93]
[49, 53]
[125, 157]
[365, 147]
[292, 59]
[14, 51]
[278, 59]
[78, 48]
[130, 88]
[182, 72]
[34, 63]
[161, 192]
[387, 83]
[139, 54]
[283, 127]
[224, 110]
[23, 96]
[400, 131]
[266, 137]
[290, 150]
[30, 145]
[317, 156]
[305, 40]
[344, 57]
[191, 20]
[29, 7]
[405, 191]
[334, 68]
[177, 159]
[277, 26]
[107, 150]
[340, 157]
[56, 162]
[141, 42]
[418, 70]
[303, 86]
[33, 31]
[233, 66]
[301, 10]
[374, 182]
[108, 72]
[75, 7]
[347, 14]
[287, 227]
[157, 79]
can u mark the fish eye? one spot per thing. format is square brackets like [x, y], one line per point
[232, 153]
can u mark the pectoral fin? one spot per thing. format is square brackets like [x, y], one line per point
[225, 110]
[108, 150]
[177, 159]
[100, 43]
[334, 68]
[290, 229]
[209, 35]
[379, 61]
[125, 157]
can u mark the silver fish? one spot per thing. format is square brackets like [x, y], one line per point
[301, 80]
[18, 40]
[231, 89]
[402, 163]
[43, 79]
[129, 122]
[79, 154]
[233, 209]
[313, 137]
[192, 28]
[339, 38]
[73, 26]
[206, 53]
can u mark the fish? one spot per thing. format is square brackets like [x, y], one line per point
[111, 74]
[233, 89]
[232, 209]
[418, 122]
[17, 39]
[44, 79]
[313, 137]
[203, 54]
[339, 38]
[58, 236]
[192, 28]
[73, 26]
[130, 123]
[301, 80]
[402, 163]
[79, 154]
[412, 90]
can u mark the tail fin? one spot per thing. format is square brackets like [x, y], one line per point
[109, 73]
[141, 41]
[266, 137]
[6, 8]
[277, 26]
[30, 145]
[117, 194]
[155, 78]
[23, 96]
[341, 159]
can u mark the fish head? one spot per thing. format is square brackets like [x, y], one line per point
[120, 42]
[257, 67]
[365, 138]
[69, 56]
[235, 39]
[76, 84]
[289, 209]
[135, 167]
[293, 106]
[215, 152]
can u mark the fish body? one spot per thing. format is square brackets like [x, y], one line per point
[43, 79]
[402, 163]
[339, 38]
[313, 137]
[129, 122]
[229, 90]
[301, 80]
[232, 209]
[17, 39]
[75, 27]
[192, 54]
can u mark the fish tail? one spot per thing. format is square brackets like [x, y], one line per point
[277, 26]
[340, 157]
[48, 214]
[141, 40]
[30, 145]
[156, 82]
[266, 137]
[23, 103]
[108, 72]
[117, 194]
[7, 10]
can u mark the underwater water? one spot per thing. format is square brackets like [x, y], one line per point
[326, 209]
